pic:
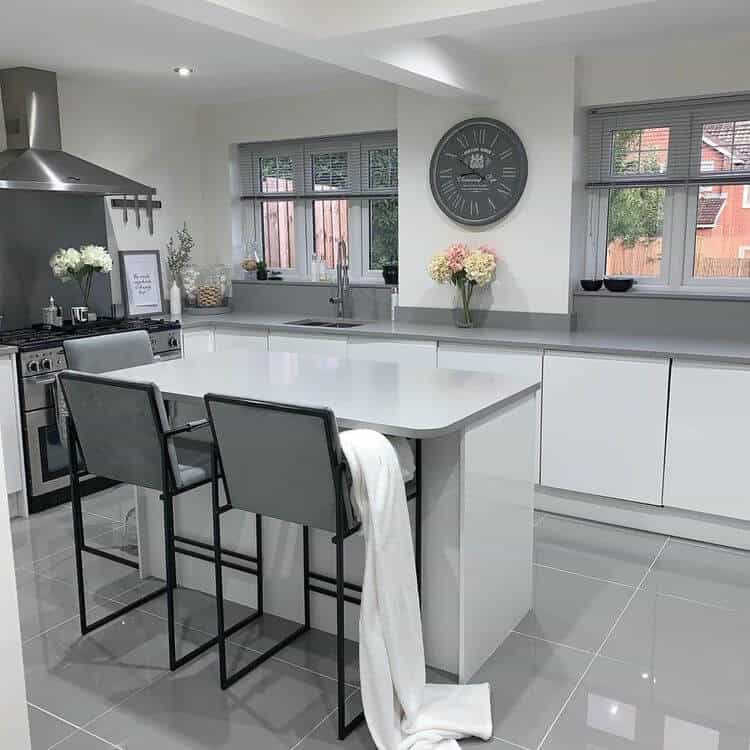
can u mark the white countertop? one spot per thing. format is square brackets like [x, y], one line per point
[582, 341]
[394, 399]
[6, 350]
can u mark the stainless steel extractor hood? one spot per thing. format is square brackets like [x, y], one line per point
[34, 159]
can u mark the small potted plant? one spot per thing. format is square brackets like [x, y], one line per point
[390, 271]
[178, 259]
[465, 269]
[261, 270]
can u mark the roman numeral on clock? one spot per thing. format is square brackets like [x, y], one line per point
[474, 209]
[480, 136]
[510, 172]
[503, 189]
[506, 154]
[463, 140]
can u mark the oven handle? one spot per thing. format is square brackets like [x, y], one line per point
[42, 380]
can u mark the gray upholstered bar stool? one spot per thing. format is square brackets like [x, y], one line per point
[122, 433]
[114, 351]
[254, 440]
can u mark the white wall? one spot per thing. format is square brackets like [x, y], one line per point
[14, 725]
[533, 241]
[149, 139]
[694, 68]
[372, 107]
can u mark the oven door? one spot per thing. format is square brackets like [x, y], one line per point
[48, 455]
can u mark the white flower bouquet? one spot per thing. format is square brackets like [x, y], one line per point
[80, 265]
[465, 269]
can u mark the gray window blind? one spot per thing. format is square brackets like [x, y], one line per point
[692, 142]
[357, 166]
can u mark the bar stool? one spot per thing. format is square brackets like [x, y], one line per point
[122, 433]
[254, 441]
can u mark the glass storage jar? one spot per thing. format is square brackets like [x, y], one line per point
[207, 286]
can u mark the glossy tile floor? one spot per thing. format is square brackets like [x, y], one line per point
[636, 641]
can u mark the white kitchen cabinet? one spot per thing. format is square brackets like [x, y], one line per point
[9, 425]
[505, 360]
[307, 343]
[707, 458]
[416, 353]
[603, 424]
[248, 339]
[197, 341]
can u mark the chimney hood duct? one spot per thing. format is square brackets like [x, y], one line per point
[34, 159]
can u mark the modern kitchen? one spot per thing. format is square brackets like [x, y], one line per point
[371, 376]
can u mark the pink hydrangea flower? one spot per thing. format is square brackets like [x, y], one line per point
[456, 254]
[487, 251]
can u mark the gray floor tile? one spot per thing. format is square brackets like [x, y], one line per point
[78, 677]
[46, 533]
[114, 503]
[271, 708]
[573, 610]
[44, 602]
[530, 682]
[621, 705]
[592, 549]
[714, 575]
[103, 577]
[46, 730]
[325, 736]
[83, 741]
[705, 645]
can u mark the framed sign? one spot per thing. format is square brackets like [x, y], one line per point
[140, 281]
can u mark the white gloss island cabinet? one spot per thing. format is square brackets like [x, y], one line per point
[10, 426]
[707, 459]
[604, 420]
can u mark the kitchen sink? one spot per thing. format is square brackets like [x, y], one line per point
[312, 323]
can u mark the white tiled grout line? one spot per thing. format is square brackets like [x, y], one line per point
[584, 575]
[551, 643]
[75, 728]
[322, 721]
[603, 644]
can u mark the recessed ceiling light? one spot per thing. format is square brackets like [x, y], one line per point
[183, 71]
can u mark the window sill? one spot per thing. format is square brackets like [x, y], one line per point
[362, 284]
[636, 293]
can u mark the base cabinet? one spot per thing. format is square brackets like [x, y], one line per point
[603, 425]
[249, 340]
[9, 426]
[197, 341]
[706, 464]
[414, 353]
[334, 346]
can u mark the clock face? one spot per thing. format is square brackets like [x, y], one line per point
[478, 171]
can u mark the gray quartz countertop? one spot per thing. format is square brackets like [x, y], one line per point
[421, 402]
[604, 342]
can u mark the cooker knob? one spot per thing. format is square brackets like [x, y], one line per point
[33, 366]
[46, 364]
[173, 342]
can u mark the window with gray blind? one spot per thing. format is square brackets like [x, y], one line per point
[668, 186]
[302, 198]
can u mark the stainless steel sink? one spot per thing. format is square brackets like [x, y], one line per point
[313, 323]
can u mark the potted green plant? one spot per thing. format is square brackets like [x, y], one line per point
[261, 270]
[390, 272]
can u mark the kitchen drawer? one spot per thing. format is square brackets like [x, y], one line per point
[416, 353]
[249, 339]
[307, 344]
[197, 341]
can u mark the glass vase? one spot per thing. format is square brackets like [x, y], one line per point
[463, 312]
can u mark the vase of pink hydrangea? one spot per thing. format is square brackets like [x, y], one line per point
[466, 269]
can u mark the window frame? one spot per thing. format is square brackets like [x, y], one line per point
[681, 198]
[358, 147]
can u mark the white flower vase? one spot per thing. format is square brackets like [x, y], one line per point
[175, 301]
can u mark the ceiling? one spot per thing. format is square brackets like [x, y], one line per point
[137, 46]
[251, 48]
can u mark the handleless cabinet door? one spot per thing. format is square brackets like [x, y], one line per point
[334, 346]
[9, 425]
[415, 353]
[707, 457]
[604, 421]
[248, 339]
[197, 341]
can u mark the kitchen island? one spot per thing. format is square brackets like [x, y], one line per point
[477, 434]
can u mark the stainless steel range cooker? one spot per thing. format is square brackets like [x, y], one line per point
[40, 357]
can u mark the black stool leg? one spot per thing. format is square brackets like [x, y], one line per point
[221, 633]
[78, 535]
[306, 565]
[340, 654]
[418, 515]
[171, 567]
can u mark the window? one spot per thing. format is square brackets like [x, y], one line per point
[669, 189]
[305, 198]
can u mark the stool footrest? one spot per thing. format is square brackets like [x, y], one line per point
[87, 628]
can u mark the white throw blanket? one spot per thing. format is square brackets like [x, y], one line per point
[403, 713]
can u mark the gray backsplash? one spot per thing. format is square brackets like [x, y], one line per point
[309, 299]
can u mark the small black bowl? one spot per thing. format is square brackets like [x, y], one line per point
[618, 284]
[591, 285]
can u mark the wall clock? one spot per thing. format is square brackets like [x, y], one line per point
[478, 171]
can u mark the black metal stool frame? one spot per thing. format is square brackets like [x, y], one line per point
[343, 532]
[170, 539]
